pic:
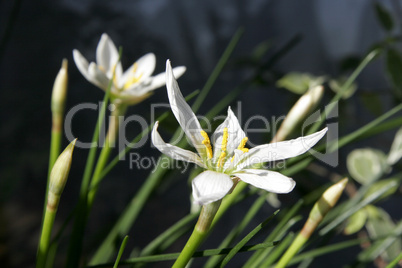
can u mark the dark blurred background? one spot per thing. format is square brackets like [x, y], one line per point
[36, 35]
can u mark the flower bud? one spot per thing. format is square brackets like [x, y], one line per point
[59, 175]
[60, 89]
[323, 206]
[299, 111]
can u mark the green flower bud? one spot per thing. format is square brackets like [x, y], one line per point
[323, 206]
[58, 176]
[60, 89]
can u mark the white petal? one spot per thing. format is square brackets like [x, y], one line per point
[159, 80]
[211, 186]
[267, 180]
[279, 150]
[98, 77]
[107, 57]
[146, 65]
[174, 151]
[82, 64]
[141, 70]
[235, 134]
[182, 111]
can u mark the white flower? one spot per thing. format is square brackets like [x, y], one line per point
[130, 87]
[226, 159]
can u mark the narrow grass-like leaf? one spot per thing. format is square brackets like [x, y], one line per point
[332, 104]
[213, 261]
[284, 224]
[327, 249]
[381, 245]
[218, 69]
[247, 238]
[346, 214]
[173, 256]
[279, 250]
[395, 262]
[151, 247]
[121, 250]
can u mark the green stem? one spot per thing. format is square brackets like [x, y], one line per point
[108, 145]
[201, 230]
[44, 243]
[294, 248]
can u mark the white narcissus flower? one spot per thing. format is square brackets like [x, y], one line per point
[129, 87]
[226, 159]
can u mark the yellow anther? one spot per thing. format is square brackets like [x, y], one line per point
[224, 145]
[207, 143]
[133, 79]
[224, 139]
[242, 144]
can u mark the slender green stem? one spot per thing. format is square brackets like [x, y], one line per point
[75, 246]
[292, 250]
[108, 145]
[44, 243]
[201, 230]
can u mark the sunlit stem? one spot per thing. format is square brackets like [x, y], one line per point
[109, 144]
[200, 231]
[320, 209]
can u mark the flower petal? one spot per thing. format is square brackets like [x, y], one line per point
[235, 134]
[279, 150]
[267, 180]
[156, 81]
[107, 57]
[97, 77]
[211, 186]
[140, 71]
[82, 64]
[174, 151]
[182, 111]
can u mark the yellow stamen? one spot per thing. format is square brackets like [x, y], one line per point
[225, 139]
[207, 143]
[133, 79]
[242, 144]
[241, 147]
[223, 147]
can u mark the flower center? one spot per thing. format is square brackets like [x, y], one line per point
[220, 161]
[133, 78]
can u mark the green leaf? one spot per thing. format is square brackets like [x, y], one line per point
[396, 149]
[243, 242]
[356, 222]
[382, 183]
[299, 83]
[366, 165]
[337, 86]
[388, 245]
[394, 69]
[121, 250]
[384, 17]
